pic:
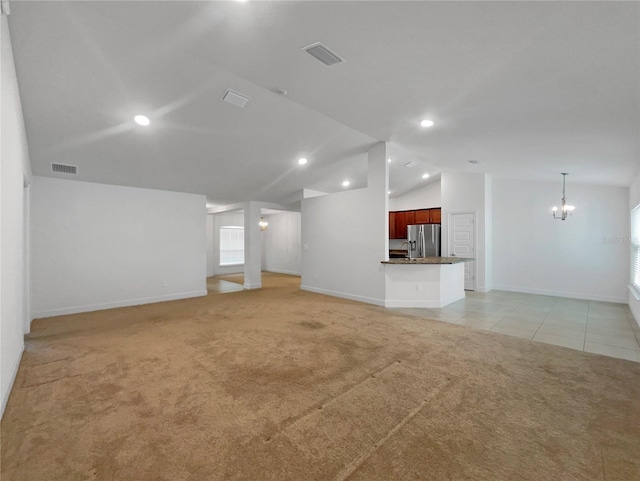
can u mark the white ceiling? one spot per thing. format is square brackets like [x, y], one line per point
[531, 89]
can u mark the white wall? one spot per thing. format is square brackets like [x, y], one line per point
[99, 246]
[14, 169]
[345, 236]
[281, 243]
[585, 256]
[235, 218]
[488, 233]
[466, 192]
[425, 197]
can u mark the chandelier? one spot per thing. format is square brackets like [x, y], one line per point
[565, 209]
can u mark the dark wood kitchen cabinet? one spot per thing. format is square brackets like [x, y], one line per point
[423, 216]
[401, 225]
[392, 225]
[399, 220]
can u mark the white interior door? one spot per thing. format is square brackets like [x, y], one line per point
[462, 244]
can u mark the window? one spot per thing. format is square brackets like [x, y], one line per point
[635, 248]
[231, 245]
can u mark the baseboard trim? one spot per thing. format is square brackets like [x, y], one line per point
[424, 303]
[574, 295]
[257, 285]
[14, 373]
[344, 295]
[115, 304]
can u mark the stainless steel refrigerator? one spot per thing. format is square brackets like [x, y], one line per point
[424, 240]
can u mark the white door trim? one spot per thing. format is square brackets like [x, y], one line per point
[475, 240]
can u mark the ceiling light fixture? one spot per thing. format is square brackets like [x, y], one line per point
[425, 176]
[427, 123]
[263, 224]
[565, 209]
[389, 160]
[279, 91]
[142, 120]
[346, 183]
[302, 161]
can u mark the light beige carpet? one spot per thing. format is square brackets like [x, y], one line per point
[280, 384]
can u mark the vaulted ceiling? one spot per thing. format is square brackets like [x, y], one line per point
[528, 89]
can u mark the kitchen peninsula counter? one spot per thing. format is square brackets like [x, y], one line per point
[429, 260]
[430, 282]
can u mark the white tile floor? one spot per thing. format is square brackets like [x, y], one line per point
[592, 326]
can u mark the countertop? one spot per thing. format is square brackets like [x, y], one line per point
[430, 260]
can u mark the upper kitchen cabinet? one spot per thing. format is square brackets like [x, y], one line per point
[423, 216]
[392, 225]
[398, 221]
[401, 225]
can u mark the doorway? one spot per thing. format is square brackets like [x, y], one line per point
[462, 243]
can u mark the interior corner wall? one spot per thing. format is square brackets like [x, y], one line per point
[15, 169]
[425, 197]
[466, 192]
[281, 243]
[634, 200]
[585, 256]
[98, 246]
[210, 253]
[235, 218]
[345, 237]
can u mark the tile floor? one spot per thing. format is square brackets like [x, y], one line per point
[592, 326]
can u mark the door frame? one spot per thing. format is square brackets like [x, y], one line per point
[474, 213]
[26, 255]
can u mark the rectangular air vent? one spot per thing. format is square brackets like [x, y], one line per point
[323, 54]
[234, 98]
[64, 169]
[411, 163]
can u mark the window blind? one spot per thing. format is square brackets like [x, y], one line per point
[231, 245]
[635, 247]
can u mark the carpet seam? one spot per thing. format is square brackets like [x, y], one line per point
[287, 423]
[353, 466]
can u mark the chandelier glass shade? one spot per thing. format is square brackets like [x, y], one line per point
[565, 209]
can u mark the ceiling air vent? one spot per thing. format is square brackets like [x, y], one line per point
[323, 54]
[64, 169]
[234, 98]
[411, 163]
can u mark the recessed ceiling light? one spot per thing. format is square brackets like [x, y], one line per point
[279, 91]
[142, 120]
[302, 161]
[425, 176]
[388, 192]
[388, 160]
[346, 183]
[427, 123]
